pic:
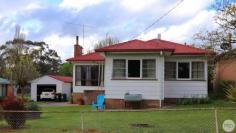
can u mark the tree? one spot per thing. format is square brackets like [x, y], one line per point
[66, 69]
[46, 59]
[21, 70]
[19, 66]
[221, 38]
[106, 42]
[226, 14]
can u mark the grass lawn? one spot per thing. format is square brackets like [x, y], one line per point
[191, 121]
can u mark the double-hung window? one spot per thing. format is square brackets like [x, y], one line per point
[119, 68]
[134, 69]
[170, 70]
[149, 69]
[194, 70]
[88, 75]
[198, 70]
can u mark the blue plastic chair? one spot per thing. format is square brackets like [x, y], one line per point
[100, 102]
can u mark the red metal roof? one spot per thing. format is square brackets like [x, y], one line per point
[180, 49]
[88, 57]
[153, 45]
[65, 79]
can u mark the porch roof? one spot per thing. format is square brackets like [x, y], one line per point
[94, 56]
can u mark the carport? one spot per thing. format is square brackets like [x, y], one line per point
[51, 83]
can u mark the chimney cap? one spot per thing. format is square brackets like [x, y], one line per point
[77, 40]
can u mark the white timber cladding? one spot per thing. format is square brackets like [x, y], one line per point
[80, 89]
[150, 89]
[186, 88]
[61, 87]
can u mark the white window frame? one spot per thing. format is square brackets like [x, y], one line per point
[155, 68]
[177, 70]
[102, 76]
[141, 68]
[113, 69]
[204, 70]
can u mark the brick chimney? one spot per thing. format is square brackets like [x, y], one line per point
[77, 48]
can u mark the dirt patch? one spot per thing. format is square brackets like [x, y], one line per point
[141, 125]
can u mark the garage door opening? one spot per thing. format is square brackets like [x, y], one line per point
[45, 88]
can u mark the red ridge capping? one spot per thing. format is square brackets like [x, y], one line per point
[65, 79]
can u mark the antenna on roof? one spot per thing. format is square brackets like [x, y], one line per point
[159, 36]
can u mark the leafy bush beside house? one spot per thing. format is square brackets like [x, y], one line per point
[224, 85]
[192, 101]
[231, 94]
[14, 119]
[33, 106]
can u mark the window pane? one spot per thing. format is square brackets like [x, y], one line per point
[119, 68]
[78, 75]
[149, 69]
[94, 75]
[183, 70]
[84, 76]
[134, 68]
[170, 70]
[198, 70]
[87, 75]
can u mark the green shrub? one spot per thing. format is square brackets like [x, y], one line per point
[192, 101]
[223, 86]
[231, 94]
[32, 106]
[14, 119]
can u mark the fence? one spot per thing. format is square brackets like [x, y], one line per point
[123, 121]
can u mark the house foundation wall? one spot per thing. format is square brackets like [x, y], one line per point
[120, 104]
[77, 98]
[87, 97]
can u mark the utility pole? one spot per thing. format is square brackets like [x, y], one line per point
[83, 34]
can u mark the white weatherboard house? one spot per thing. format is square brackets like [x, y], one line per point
[51, 83]
[157, 69]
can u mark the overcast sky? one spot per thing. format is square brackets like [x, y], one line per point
[57, 22]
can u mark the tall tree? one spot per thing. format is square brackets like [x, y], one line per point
[226, 14]
[221, 38]
[46, 59]
[106, 42]
[19, 66]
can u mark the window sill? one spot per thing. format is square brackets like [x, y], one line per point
[184, 80]
[132, 79]
[88, 86]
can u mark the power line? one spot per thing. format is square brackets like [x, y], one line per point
[158, 19]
